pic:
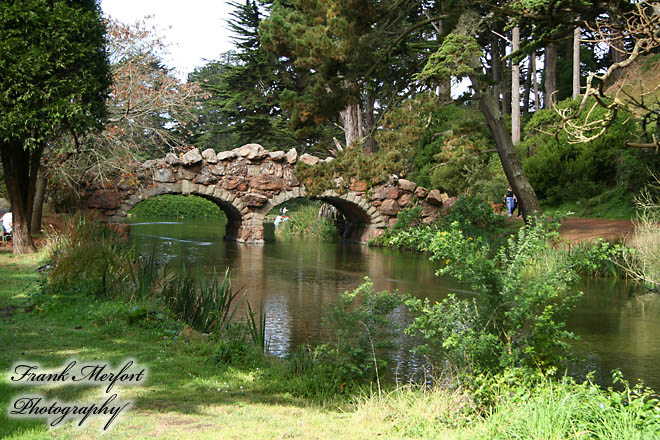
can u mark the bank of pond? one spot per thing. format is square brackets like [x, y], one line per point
[488, 319]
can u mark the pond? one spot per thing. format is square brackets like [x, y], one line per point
[296, 280]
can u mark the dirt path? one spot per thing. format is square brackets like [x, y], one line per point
[587, 229]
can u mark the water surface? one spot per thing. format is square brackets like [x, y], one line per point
[296, 280]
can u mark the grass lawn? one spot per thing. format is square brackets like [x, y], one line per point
[187, 395]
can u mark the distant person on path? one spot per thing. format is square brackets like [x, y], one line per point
[7, 222]
[511, 201]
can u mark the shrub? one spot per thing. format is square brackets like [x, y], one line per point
[474, 216]
[598, 258]
[89, 258]
[361, 326]
[304, 222]
[644, 263]
[517, 319]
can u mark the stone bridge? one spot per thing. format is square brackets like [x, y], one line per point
[248, 182]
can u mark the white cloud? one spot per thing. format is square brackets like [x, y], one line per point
[195, 29]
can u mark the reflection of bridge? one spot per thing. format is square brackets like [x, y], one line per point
[249, 181]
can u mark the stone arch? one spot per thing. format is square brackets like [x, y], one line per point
[233, 207]
[364, 221]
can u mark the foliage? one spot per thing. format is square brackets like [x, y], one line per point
[336, 50]
[205, 303]
[244, 90]
[454, 58]
[518, 317]
[560, 171]
[408, 218]
[564, 409]
[361, 326]
[599, 258]
[54, 70]
[148, 113]
[89, 258]
[257, 328]
[353, 163]
[54, 80]
[177, 206]
[304, 222]
[644, 264]
[474, 217]
[417, 238]
[441, 146]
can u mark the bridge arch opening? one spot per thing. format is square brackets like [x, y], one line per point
[233, 215]
[355, 219]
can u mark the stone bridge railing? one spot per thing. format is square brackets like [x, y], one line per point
[248, 182]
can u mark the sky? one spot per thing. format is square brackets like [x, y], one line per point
[196, 30]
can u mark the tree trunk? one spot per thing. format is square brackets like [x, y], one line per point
[576, 62]
[497, 63]
[37, 207]
[506, 88]
[512, 167]
[351, 118]
[21, 167]
[528, 86]
[537, 98]
[618, 54]
[515, 88]
[369, 122]
[550, 75]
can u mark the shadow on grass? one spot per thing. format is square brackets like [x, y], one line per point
[182, 377]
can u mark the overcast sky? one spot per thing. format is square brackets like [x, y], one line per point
[198, 27]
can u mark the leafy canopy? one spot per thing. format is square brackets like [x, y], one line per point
[53, 69]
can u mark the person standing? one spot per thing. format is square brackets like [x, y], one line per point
[510, 199]
[7, 222]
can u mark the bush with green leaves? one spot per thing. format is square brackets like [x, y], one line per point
[361, 324]
[408, 218]
[89, 258]
[474, 216]
[599, 258]
[177, 206]
[304, 222]
[524, 293]
[561, 171]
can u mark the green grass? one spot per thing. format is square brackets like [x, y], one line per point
[189, 395]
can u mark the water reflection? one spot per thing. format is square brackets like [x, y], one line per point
[297, 280]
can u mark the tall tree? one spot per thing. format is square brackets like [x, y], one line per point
[342, 46]
[459, 56]
[515, 87]
[576, 62]
[54, 78]
[244, 90]
[550, 75]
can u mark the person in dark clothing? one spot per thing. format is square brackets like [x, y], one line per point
[510, 200]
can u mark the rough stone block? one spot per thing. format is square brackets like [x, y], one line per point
[277, 155]
[291, 156]
[407, 185]
[226, 155]
[209, 155]
[308, 159]
[191, 157]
